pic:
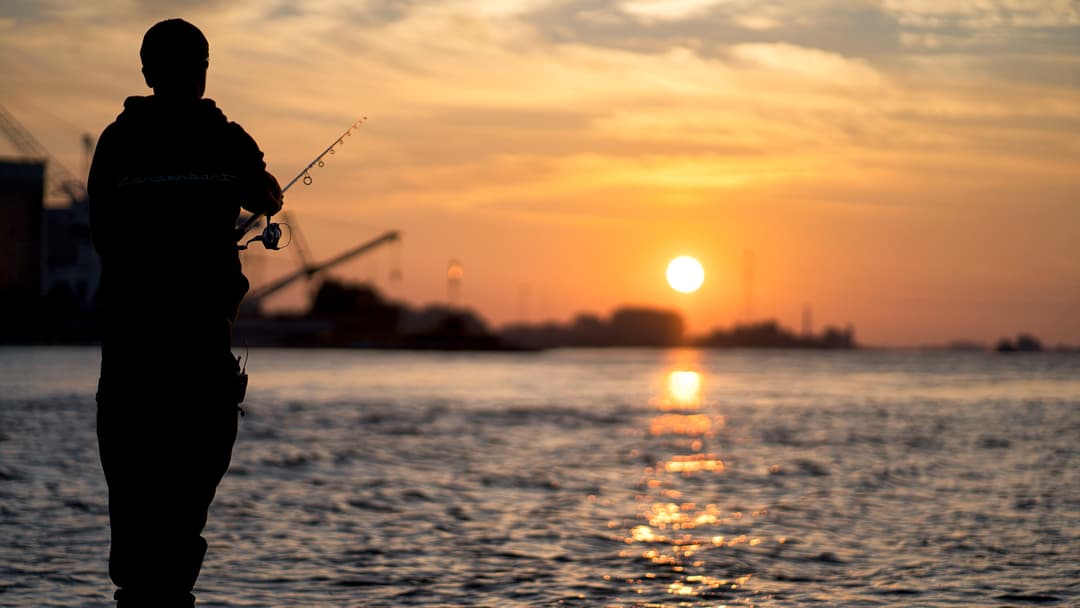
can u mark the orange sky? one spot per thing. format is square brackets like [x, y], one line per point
[910, 167]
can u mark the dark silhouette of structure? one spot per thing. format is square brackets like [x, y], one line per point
[167, 417]
[21, 232]
[46, 249]
[253, 302]
[646, 327]
[630, 326]
[661, 328]
[1025, 343]
[355, 315]
[446, 328]
[358, 315]
[769, 334]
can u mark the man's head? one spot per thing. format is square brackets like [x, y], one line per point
[175, 55]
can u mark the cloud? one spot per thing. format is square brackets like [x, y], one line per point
[454, 85]
[809, 64]
[710, 27]
[987, 13]
[739, 121]
[668, 10]
[1024, 26]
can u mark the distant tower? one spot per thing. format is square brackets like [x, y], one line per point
[395, 268]
[454, 274]
[88, 153]
[807, 321]
[524, 302]
[748, 286]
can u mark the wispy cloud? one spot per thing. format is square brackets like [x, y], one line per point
[575, 110]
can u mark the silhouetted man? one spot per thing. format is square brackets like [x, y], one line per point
[168, 179]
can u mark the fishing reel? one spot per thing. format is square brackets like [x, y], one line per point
[270, 237]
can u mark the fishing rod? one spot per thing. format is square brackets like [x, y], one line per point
[271, 234]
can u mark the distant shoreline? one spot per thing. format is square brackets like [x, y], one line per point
[1060, 349]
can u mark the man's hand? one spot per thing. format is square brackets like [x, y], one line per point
[274, 199]
[265, 198]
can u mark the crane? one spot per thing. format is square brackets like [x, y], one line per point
[255, 298]
[60, 181]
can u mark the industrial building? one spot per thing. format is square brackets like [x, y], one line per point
[49, 270]
[22, 236]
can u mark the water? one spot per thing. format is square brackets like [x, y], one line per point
[587, 478]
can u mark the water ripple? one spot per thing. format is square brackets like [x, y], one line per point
[624, 478]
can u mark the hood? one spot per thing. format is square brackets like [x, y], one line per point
[152, 110]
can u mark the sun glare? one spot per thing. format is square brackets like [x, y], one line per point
[685, 274]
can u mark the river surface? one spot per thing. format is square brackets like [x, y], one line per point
[586, 478]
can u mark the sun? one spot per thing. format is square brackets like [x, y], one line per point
[685, 274]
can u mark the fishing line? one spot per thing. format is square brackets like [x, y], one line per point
[271, 234]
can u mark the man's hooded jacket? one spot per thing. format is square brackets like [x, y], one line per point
[166, 186]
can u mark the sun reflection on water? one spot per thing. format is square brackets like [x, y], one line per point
[685, 387]
[690, 425]
[694, 463]
[675, 532]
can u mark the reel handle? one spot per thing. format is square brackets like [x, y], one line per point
[270, 237]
